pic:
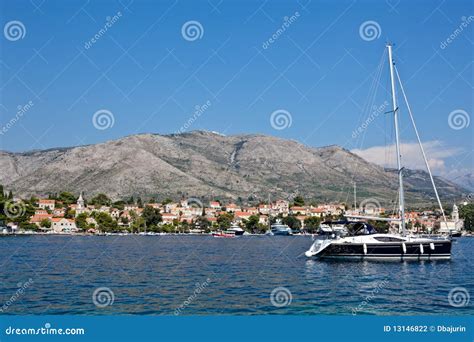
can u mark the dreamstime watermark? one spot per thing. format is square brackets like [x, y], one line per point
[459, 119]
[280, 297]
[370, 206]
[200, 287]
[370, 30]
[465, 21]
[281, 119]
[199, 110]
[103, 297]
[287, 21]
[290, 196]
[46, 330]
[376, 111]
[379, 287]
[110, 21]
[21, 110]
[14, 30]
[195, 203]
[103, 119]
[14, 209]
[459, 297]
[192, 30]
[18, 293]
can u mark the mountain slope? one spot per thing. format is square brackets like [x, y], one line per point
[210, 165]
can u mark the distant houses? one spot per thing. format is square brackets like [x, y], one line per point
[54, 216]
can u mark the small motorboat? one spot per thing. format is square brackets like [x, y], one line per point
[226, 234]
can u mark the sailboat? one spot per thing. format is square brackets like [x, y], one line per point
[361, 240]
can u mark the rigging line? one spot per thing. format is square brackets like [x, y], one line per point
[372, 85]
[373, 93]
[421, 148]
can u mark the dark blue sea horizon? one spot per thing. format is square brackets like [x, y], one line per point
[202, 275]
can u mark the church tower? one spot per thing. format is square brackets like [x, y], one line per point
[80, 208]
[455, 213]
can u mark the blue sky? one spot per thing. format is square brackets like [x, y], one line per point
[318, 72]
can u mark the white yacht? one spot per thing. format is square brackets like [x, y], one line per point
[279, 229]
[362, 241]
[236, 230]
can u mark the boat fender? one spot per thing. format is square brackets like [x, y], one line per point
[365, 249]
[432, 246]
[421, 249]
[404, 248]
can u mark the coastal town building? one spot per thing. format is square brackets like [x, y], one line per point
[454, 225]
[63, 225]
[187, 211]
[215, 205]
[47, 204]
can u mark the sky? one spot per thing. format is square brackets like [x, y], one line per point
[84, 72]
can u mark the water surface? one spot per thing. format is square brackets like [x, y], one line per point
[187, 275]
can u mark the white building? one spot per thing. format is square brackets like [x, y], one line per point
[63, 225]
[46, 204]
[455, 225]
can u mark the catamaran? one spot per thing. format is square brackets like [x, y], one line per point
[360, 240]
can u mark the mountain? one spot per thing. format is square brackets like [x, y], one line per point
[209, 165]
[466, 181]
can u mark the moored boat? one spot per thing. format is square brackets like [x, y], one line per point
[362, 241]
[236, 230]
[225, 234]
[279, 229]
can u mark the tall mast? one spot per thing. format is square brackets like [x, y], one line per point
[355, 197]
[397, 139]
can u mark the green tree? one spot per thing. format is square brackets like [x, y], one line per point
[166, 201]
[28, 226]
[81, 221]
[224, 220]
[292, 222]
[105, 222]
[298, 201]
[120, 205]
[466, 212]
[100, 200]
[138, 225]
[203, 223]
[251, 224]
[69, 213]
[151, 216]
[380, 226]
[183, 227]
[45, 223]
[67, 198]
[311, 223]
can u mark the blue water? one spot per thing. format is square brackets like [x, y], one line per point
[186, 275]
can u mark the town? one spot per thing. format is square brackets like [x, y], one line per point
[66, 213]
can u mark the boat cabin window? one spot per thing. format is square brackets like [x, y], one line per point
[388, 239]
[361, 228]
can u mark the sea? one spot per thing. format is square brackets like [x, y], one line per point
[204, 275]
